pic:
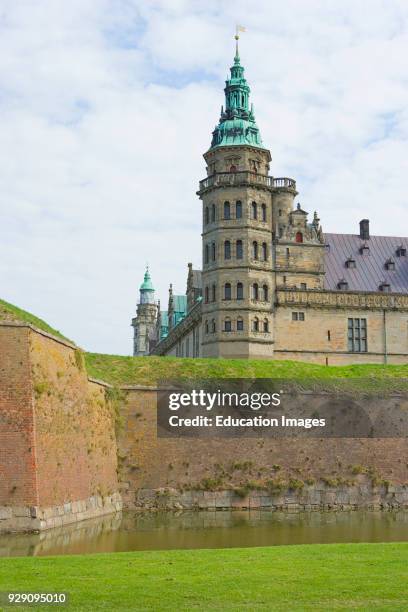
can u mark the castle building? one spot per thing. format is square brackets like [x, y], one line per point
[273, 285]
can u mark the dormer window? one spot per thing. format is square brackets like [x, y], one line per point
[390, 264]
[385, 287]
[365, 249]
[342, 285]
[350, 263]
[401, 251]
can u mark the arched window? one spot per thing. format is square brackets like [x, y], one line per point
[207, 295]
[255, 250]
[265, 293]
[213, 293]
[227, 325]
[227, 249]
[265, 325]
[213, 251]
[233, 168]
[227, 291]
[255, 291]
[240, 291]
[255, 324]
[299, 237]
[254, 210]
[240, 324]
[206, 327]
[264, 251]
[263, 212]
[207, 215]
[238, 209]
[213, 213]
[207, 254]
[227, 210]
[240, 253]
[213, 326]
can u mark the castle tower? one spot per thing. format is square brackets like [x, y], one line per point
[144, 324]
[241, 206]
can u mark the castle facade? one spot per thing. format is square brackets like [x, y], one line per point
[273, 285]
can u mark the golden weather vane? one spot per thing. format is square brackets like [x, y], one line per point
[238, 28]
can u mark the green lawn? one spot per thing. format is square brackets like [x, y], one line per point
[118, 370]
[311, 577]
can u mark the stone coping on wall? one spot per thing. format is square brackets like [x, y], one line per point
[35, 518]
[313, 497]
[41, 332]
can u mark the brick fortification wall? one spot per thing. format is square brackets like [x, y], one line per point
[147, 463]
[58, 455]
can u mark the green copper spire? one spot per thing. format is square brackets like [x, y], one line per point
[147, 284]
[237, 124]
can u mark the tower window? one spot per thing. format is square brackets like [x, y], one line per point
[213, 213]
[227, 291]
[357, 335]
[206, 254]
[207, 295]
[239, 249]
[263, 212]
[255, 291]
[213, 293]
[207, 215]
[213, 326]
[265, 325]
[255, 324]
[227, 249]
[213, 250]
[238, 209]
[206, 327]
[233, 168]
[227, 210]
[240, 291]
[264, 251]
[265, 293]
[254, 207]
[299, 237]
[227, 325]
[280, 212]
[255, 250]
[240, 324]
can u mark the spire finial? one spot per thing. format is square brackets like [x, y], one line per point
[238, 28]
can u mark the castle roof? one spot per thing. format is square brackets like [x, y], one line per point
[237, 124]
[147, 284]
[379, 261]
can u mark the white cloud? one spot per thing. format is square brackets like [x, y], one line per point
[106, 107]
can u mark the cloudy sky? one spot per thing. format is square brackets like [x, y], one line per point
[106, 107]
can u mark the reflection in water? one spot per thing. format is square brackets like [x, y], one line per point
[208, 529]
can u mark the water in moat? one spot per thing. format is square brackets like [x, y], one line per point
[208, 529]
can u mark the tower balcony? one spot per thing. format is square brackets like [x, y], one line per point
[244, 178]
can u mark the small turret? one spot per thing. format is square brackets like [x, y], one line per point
[145, 322]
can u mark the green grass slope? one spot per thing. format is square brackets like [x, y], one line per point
[280, 578]
[8, 312]
[117, 370]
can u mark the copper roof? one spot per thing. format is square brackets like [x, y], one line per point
[370, 271]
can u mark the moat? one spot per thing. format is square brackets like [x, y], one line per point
[208, 529]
